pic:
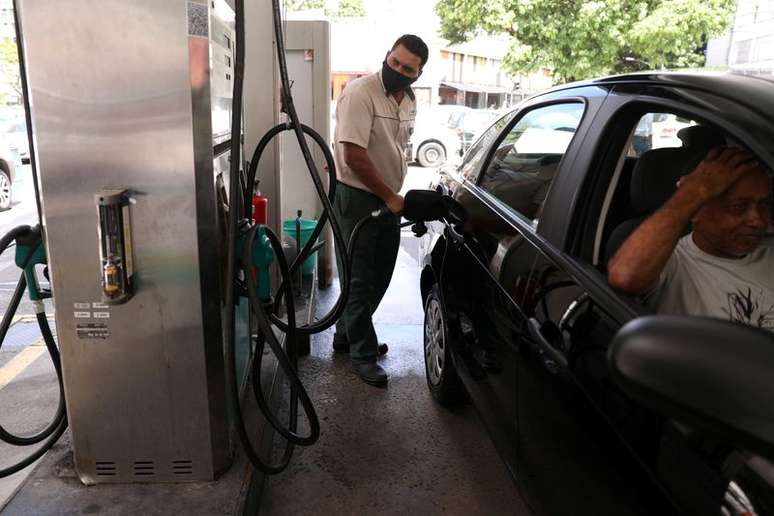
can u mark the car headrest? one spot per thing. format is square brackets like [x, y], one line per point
[701, 136]
[656, 172]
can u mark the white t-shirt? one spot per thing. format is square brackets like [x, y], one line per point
[696, 283]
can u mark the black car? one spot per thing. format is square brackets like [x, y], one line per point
[597, 405]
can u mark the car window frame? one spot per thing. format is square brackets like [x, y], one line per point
[477, 167]
[625, 115]
[603, 156]
[600, 133]
[621, 307]
[521, 112]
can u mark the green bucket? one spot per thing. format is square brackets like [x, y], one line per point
[307, 227]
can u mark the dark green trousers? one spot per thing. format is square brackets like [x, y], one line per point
[373, 261]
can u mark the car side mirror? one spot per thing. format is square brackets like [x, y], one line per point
[713, 374]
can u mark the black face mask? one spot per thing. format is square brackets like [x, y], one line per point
[394, 81]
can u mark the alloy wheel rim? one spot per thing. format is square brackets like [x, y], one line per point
[432, 155]
[5, 191]
[434, 342]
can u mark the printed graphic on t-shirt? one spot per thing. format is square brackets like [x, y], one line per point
[748, 308]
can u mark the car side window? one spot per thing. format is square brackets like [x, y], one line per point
[659, 147]
[523, 166]
[477, 152]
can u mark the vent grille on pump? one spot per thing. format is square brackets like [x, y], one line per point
[182, 467]
[144, 468]
[105, 468]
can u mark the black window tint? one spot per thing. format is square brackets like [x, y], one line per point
[523, 166]
[478, 150]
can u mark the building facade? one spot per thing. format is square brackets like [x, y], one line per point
[749, 45]
[7, 23]
[471, 74]
[467, 74]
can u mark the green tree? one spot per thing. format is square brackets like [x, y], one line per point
[9, 69]
[581, 39]
[347, 9]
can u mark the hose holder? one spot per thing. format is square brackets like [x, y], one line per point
[263, 257]
[29, 253]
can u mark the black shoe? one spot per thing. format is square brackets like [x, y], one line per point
[370, 372]
[341, 345]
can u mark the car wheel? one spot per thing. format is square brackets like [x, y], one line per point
[442, 379]
[5, 190]
[431, 154]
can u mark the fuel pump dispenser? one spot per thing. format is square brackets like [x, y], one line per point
[152, 307]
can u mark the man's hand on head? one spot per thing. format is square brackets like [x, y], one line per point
[637, 265]
[717, 172]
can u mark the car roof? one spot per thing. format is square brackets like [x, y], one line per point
[756, 91]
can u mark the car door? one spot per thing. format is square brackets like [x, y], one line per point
[488, 277]
[577, 428]
[469, 292]
[505, 208]
[578, 435]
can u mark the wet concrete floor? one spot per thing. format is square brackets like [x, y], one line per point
[389, 450]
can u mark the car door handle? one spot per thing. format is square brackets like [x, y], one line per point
[536, 330]
[456, 236]
[574, 311]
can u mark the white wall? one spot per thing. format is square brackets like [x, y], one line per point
[261, 100]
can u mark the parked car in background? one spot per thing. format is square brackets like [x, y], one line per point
[7, 173]
[15, 132]
[468, 125]
[596, 404]
[665, 128]
[10, 113]
[433, 140]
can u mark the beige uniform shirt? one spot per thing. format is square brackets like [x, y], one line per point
[370, 118]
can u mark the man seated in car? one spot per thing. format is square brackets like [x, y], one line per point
[725, 267]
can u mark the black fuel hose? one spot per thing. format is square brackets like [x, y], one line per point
[329, 319]
[287, 363]
[339, 241]
[286, 357]
[54, 430]
[10, 311]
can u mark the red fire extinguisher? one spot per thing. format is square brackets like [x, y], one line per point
[260, 209]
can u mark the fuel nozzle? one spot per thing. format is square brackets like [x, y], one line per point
[430, 205]
[423, 205]
[420, 206]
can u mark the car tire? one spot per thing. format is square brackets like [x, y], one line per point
[5, 190]
[442, 379]
[431, 154]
